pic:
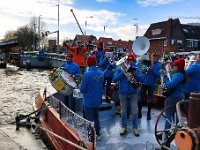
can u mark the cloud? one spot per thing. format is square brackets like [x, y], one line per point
[146, 3]
[20, 13]
[126, 32]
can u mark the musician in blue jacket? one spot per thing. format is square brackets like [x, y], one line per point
[100, 51]
[176, 85]
[73, 69]
[151, 75]
[128, 91]
[193, 73]
[108, 66]
[92, 88]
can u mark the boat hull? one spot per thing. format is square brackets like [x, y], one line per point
[52, 121]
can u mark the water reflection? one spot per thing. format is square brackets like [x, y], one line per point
[18, 89]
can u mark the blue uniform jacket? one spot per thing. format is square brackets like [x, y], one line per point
[124, 86]
[72, 68]
[176, 84]
[193, 84]
[107, 67]
[151, 77]
[92, 87]
[100, 55]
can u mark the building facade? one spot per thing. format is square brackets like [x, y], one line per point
[172, 36]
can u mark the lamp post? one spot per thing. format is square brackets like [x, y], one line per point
[58, 29]
[39, 29]
[86, 22]
[136, 27]
[104, 30]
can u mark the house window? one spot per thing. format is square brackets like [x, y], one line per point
[165, 42]
[190, 43]
[179, 43]
[173, 42]
[195, 43]
[156, 31]
[109, 42]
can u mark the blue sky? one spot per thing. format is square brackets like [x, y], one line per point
[118, 16]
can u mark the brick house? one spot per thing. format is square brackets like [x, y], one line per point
[125, 46]
[172, 36]
[83, 39]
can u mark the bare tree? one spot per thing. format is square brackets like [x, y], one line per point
[25, 37]
[28, 36]
[9, 34]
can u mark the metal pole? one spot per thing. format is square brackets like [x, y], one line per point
[34, 35]
[86, 23]
[104, 29]
[39, 29]
[58, 30]
[79, 27]
[136, 27]
[77, 22]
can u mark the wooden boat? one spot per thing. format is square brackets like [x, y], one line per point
[64, 128]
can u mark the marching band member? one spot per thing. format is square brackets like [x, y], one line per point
[107, 65]
[100, 51]
[78, 54]
[92, 88]
[151, 76]
[176, 85]
[73, 69]
[193, 72]
[128, 91]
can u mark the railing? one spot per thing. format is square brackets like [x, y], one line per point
[82, 126]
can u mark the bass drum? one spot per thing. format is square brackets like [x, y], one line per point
[64, 83]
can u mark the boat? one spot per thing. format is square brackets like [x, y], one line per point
[64, 127]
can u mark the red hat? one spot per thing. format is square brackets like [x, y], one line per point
[99, 43]
[69, 55]
[130, 56]
[180, 63]
[91, 61]
[106, 50]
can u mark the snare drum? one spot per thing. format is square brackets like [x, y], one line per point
[64, 83]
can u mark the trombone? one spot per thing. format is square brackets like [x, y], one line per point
[127, 71]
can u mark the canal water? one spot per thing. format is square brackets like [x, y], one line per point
[18, 89]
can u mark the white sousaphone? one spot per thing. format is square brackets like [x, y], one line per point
[140, 47]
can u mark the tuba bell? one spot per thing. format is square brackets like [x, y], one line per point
[140, 47]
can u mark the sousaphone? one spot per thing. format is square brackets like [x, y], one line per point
[140, 47]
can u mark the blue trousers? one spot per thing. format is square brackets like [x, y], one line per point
[133, 107]
[92, 114]
[170, 112]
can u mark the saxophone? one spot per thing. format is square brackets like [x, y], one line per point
[127, 71]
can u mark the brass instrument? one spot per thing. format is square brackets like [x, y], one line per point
[110, 60]
[191, 61]
[165, 70]
[140, 47]
[127, 71]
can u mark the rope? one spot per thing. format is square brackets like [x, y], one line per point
[63, 139]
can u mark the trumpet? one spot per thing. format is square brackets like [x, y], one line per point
[127, 71]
